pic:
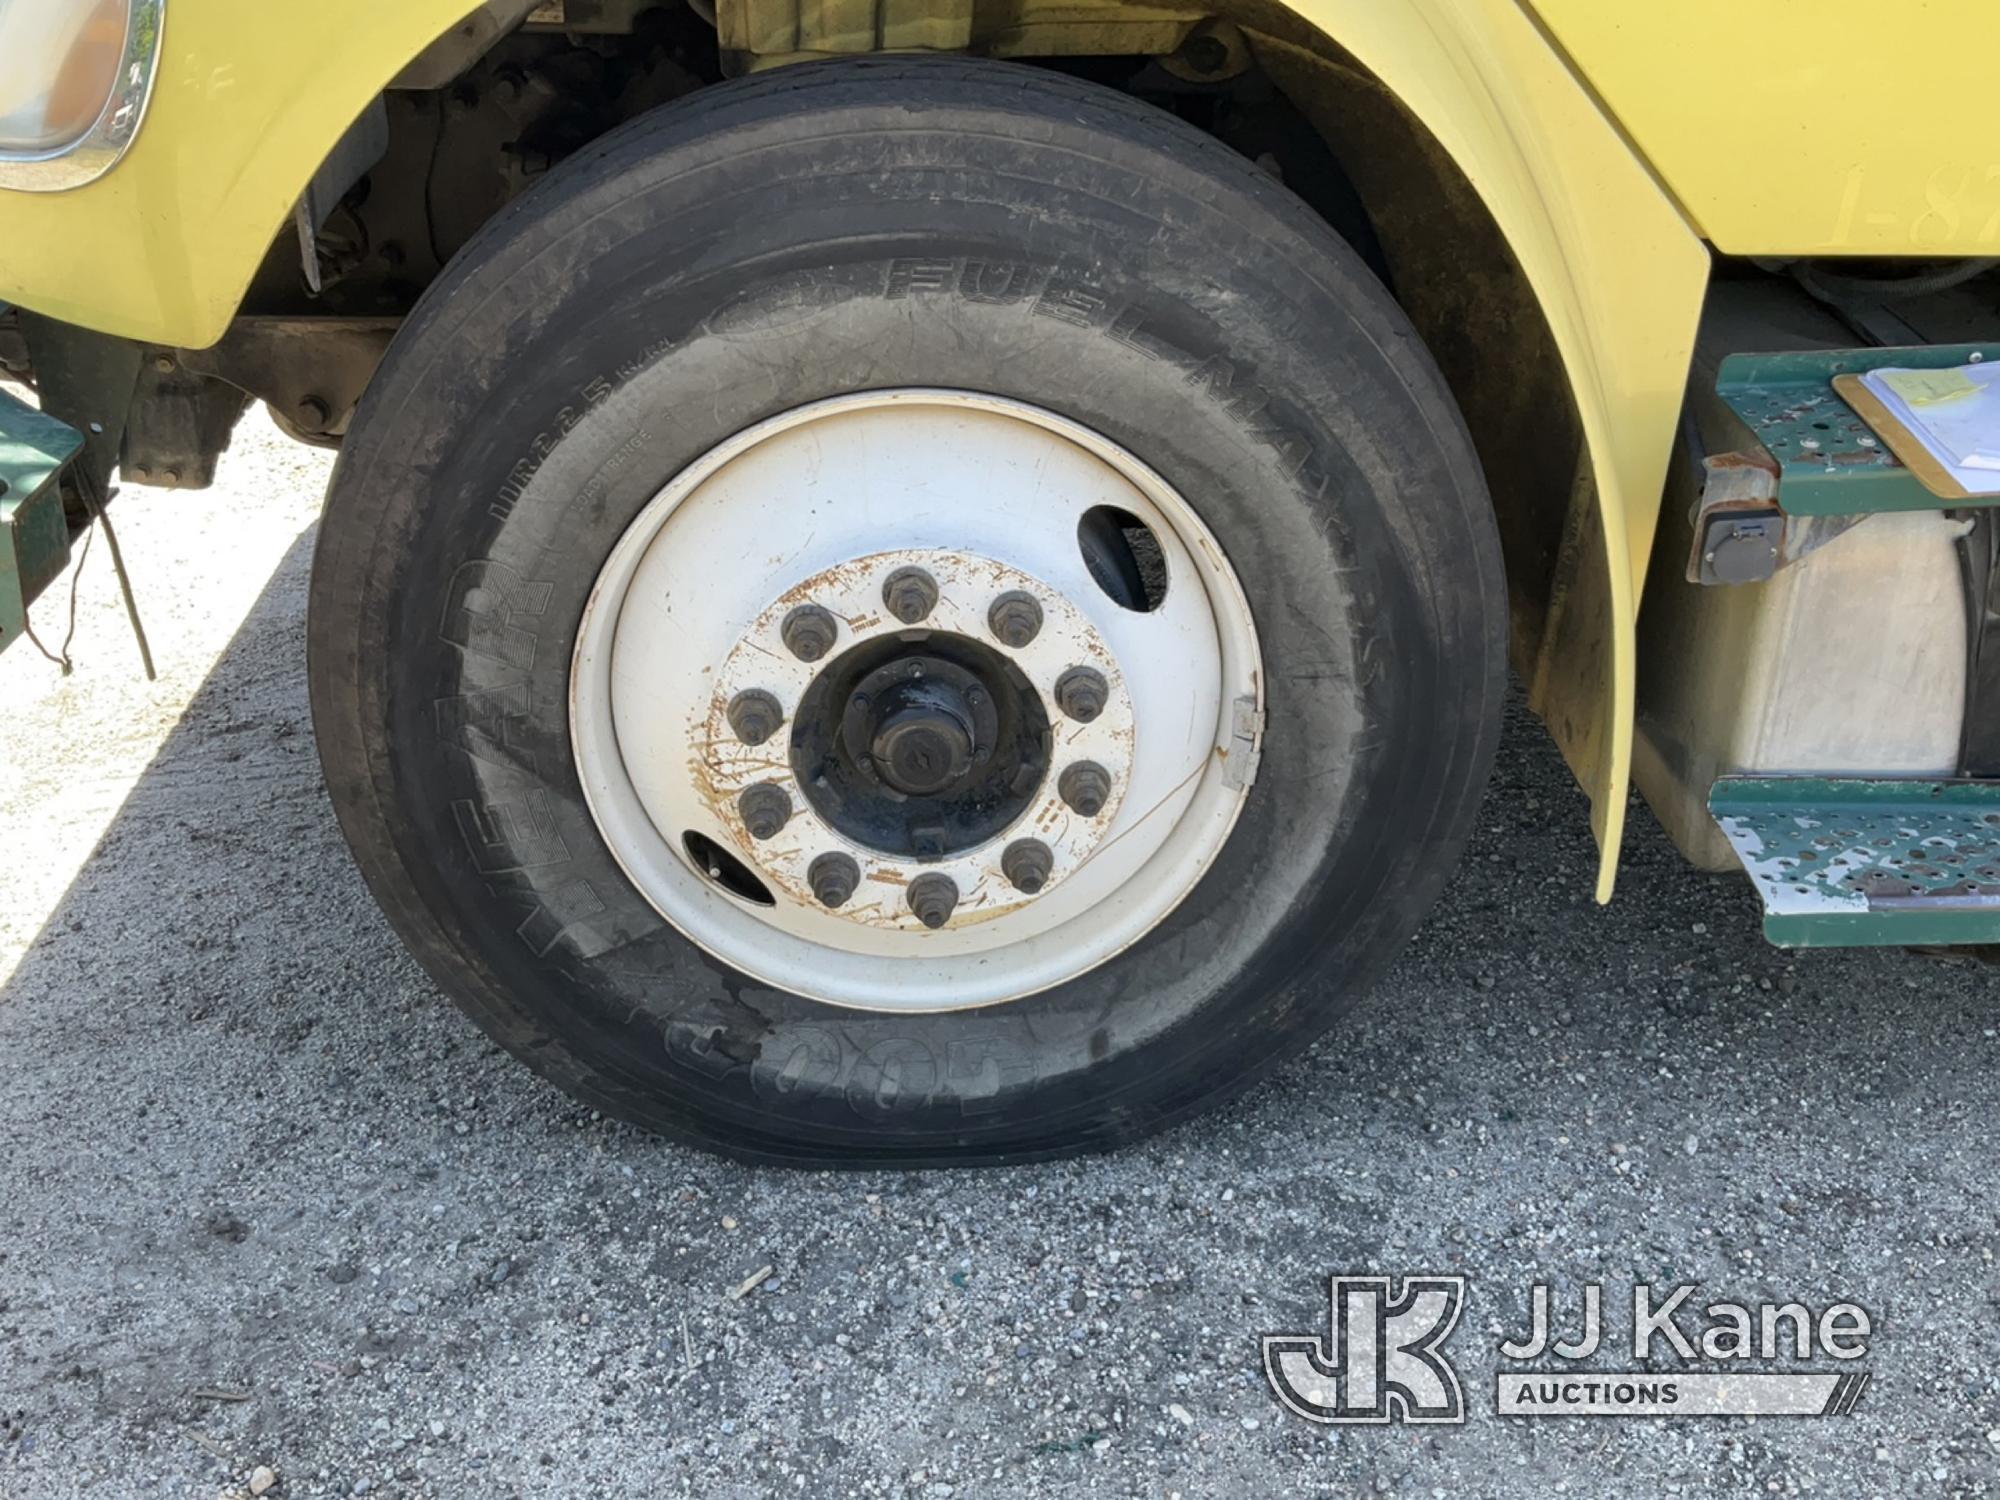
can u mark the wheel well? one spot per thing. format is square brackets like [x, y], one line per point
[469, 137]
[1451, 270]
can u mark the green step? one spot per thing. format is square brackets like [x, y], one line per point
[1851, 862]
[1829, 462]
[34, 536]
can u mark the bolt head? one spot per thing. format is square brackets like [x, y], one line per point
[765, 809]
[1086, 787]
[932, 898]
[1081, 693]
[910, 594]
[1206, 54]
[1027, 864]
[809, 632]
[754, 716]
[1015, 618]
[833, 878]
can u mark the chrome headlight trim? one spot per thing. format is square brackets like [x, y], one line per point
[98, 149]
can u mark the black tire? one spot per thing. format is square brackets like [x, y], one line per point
[840, 227]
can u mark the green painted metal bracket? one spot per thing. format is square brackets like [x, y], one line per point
[1850, 862]
[1829, 463]
[34, 535]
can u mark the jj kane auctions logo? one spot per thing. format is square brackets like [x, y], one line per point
[1382, 1358]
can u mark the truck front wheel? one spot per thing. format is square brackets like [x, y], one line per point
[906, 611]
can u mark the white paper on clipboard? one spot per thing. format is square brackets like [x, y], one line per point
[1954, 413]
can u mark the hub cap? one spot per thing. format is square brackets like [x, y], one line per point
[990, 771]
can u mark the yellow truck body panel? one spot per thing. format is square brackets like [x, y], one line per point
[1806, 127]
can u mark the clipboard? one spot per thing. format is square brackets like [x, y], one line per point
[1905, 444]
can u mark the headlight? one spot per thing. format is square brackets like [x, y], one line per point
[74, 78]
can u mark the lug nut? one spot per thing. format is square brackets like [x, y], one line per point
[910, 594]
[809, 632]
[755, 716]
[932, 897]
[833, 878]
[1081, 693]
[1026, 863]
[1086, 787]
[1015, 619]
[765, 809]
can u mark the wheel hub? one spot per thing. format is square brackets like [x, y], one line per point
[918, 747]
[920, 744]
[919, 733]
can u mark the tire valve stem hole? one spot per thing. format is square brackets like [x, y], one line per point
[724, 869]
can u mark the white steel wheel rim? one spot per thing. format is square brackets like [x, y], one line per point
[819, 505]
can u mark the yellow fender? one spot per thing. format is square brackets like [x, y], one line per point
[1620, 275]
[251, 96]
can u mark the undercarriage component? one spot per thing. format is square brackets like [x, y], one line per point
[764, 33]
[178, 424]
[163, 416]
[309, 371]
[357, 150]
[446, 147]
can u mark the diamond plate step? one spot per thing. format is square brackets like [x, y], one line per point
[1856, 862]
[1829, 462]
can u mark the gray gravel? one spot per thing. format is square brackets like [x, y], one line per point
[269, 1200]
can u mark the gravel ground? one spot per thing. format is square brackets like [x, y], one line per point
[269, 1200]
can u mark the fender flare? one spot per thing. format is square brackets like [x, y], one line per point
[1620, 275]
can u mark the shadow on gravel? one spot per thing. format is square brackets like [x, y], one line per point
[268, 1199]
